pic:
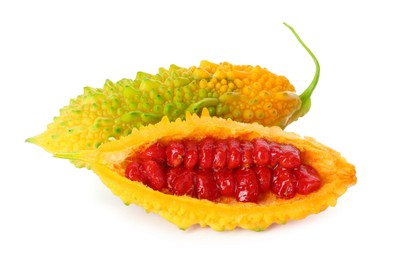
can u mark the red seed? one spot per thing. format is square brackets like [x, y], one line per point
[247, 189]
[206, 186]
[308, 179]
[155, 152]
[220, 155]
[233, 153]
[264, 177]
[191, 154]
[171, 174]
[184, 183]
[247, 153]
[275, 153]
[206, 153]
[261, 152]
[284, 183]
[134, 172]
[175, 151]
[225, 182]
[290, 157]
[154, 175]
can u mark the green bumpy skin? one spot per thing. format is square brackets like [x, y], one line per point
[241, 92]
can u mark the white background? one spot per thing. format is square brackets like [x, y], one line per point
[50, 50]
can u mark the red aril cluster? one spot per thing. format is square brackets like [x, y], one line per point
[212, 168]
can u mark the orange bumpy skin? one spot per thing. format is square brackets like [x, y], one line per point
[109, 160]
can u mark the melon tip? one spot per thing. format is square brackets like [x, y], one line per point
[30, 140]
[86, 156]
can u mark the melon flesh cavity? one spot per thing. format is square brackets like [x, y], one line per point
[110, 159]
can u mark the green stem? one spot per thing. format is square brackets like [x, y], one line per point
[306, 95]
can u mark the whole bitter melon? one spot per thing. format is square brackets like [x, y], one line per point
[242, 93]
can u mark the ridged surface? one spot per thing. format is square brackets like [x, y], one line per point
[243, 93]
[335, 172]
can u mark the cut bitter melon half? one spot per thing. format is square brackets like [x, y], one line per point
[111, 160]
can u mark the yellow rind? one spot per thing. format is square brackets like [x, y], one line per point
[335, 172]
